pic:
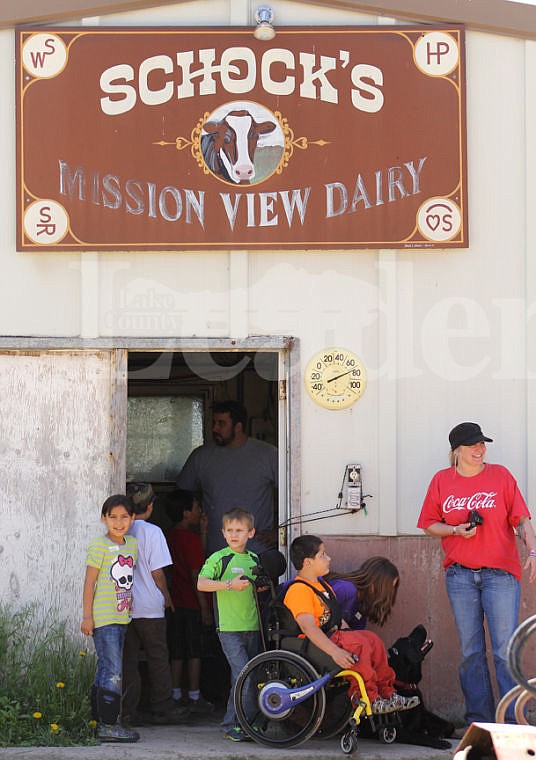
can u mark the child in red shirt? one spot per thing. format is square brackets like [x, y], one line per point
[192, 608]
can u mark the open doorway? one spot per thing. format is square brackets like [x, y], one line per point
[169, 413]
[170, 395]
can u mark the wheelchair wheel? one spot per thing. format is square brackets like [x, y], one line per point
[387, 734]
[348, 742]
[297, 723]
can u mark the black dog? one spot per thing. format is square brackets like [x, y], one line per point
[419, 725]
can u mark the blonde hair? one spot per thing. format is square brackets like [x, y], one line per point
[239, 514]
[453, 457]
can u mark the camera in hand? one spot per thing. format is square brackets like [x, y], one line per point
[272, 564]
[260, 578]
[474, 519]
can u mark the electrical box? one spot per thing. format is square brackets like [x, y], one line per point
[354, 486]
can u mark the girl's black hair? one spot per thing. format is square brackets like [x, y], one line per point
[117, 500]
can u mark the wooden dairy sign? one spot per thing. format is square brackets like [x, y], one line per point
[204, 139]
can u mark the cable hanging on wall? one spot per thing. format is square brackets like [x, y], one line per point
[355, 500]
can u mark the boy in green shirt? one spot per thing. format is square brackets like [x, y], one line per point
[235, 609]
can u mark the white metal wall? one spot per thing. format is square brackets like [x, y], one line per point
[445, 336]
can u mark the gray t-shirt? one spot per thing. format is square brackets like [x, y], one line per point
[227, 477]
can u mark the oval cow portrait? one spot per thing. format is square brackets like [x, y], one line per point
[242, 143]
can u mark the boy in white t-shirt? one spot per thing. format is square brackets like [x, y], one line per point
[148, 628]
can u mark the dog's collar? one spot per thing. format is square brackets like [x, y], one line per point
[404, 685]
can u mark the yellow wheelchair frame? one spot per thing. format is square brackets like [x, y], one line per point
[282, 700]
[293, 691]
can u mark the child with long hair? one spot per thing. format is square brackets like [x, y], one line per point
[368, 593]
[314, 606]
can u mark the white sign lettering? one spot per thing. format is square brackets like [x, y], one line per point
[236, 72]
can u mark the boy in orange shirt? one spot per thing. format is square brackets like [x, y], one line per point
[362, 651]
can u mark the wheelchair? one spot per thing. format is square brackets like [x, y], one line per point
[293, 691]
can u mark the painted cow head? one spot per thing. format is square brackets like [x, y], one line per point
[229, 145]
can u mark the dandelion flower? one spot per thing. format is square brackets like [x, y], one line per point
[60, 685]
[54, 728]
[37, 715]
[83, 654]
[93, 723]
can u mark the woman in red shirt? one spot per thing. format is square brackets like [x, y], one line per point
[475, 507]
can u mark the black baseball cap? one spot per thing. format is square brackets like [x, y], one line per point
[467, 434]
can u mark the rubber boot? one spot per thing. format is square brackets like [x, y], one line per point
[93, 703]
[108, 706]
[109, 730]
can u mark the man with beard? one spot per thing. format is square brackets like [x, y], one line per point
[232, 471]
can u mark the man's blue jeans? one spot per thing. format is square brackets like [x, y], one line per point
[108, 641]
[473, 594]
[239, 647]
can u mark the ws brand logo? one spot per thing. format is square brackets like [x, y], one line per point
[44, 55]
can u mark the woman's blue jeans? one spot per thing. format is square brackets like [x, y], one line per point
[108, 641]
[239, 647]
[474, 594]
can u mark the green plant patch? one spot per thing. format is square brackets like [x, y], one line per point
[45, 679]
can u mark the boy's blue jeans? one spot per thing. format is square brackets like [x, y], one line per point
[473, 594]
[108, 641]
[239, 647]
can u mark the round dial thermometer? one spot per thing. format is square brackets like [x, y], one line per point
[335, 378]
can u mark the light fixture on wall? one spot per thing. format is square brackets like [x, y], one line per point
[264, 30]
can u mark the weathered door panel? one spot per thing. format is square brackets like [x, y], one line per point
[62, 423]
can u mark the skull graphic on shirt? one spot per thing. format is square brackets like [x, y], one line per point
[122, 573]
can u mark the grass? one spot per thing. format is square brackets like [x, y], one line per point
[45, 678]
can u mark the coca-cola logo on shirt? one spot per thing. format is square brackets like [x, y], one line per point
[480, 500]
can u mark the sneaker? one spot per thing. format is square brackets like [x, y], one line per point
[181, 702]
[403, 703]
[128, 721]
[235, 734]
[200, 705]
[382, 706]
[170, 717]
[116, 733]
